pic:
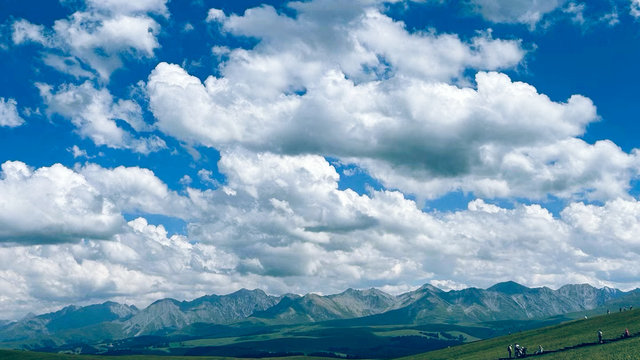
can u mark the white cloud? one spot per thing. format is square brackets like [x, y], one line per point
[94, 113]
[77, 152]
[186, 180]
[9, 115]
[67, 64]
[215, 15]
[140, 265]
[98, 38]
[341, 80]
[52, 204]
[611, 18]
[137, 190]
[158, 7]
[355, 85]
[206, 176]
[634, 9]
[101, 42]
[576, 10]
[516, 11]
[282, 224]
[509, 139]
[24, 31]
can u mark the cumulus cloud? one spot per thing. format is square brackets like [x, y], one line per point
[137, 190]
[281, 223]
[58, 204]
[9, 115]
[355, 85]
[140, 265]
[95, 114]
[98, 37]
[337, 80]
[52, 204]
[501, 139]
[277, 207]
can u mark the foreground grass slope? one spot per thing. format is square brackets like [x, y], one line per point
[557, 337]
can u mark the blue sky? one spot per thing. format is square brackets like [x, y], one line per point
[180, 148]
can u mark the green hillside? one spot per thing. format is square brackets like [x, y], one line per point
[29, 355]
[558, 337]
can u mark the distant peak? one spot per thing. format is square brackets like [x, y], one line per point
[244, 292]
[29, 316]
[165, 300]
[508, 287]
[576, 286]
[429, 287]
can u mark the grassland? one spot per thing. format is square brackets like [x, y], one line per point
[557, 338]
[28, 355]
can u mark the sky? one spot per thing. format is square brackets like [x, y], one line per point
[159, 148]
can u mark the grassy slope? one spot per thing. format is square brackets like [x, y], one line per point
[556, 337]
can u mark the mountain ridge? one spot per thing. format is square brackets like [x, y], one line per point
[427, 304]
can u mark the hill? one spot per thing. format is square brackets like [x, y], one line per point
[571, 340]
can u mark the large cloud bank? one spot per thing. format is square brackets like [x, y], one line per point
[281, 223]
[328, 83]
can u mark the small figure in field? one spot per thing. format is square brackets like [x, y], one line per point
[509, 349]
[600, 336]
[524, 352]
[620, 309]
[518, 350]
[608, 312]
[626, 333]
[540, 349]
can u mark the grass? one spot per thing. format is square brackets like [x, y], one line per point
[30, 355]
[621, 350]
[556, 338]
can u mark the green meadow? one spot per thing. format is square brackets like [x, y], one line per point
[560, 338]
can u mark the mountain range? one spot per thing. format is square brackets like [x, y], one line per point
[427, 305]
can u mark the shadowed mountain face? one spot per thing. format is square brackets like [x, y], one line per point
[69, 318]
[167, 315]
[428, 304]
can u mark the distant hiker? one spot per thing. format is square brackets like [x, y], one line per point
[626, 333]
[540, 349]
[518, 350]
[509, 349]
[600, 336]
[608, 312]
[620, 309]
[523, 351]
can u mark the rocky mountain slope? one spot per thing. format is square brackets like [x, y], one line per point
[428, 304]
